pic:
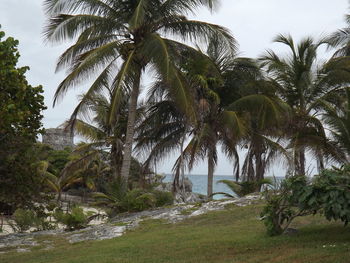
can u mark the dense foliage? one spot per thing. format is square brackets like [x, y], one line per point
[117, 200]
[327, 193]
[273, 107]
[21, 107]
[74, 219]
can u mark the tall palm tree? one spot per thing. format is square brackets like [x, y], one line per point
[266, 114]
[104, 139]
[163, 130]
[166, 128]
[304, 83]
[216, 82]
[215, 124]
[119, 39]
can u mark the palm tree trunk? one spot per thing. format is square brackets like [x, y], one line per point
[299, 162]
[259, 171]
[211, 165]
[179, 175]
[114, 162]
[302, 162]
[182, 175]
[258, 154]
[129, 138]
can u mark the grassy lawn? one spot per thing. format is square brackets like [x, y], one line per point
[231, 236]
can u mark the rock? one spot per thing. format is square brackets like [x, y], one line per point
[164, 187]
[169, 186]
[17, 240]
[123, 222]
[187, 198]
[290, 231]
[100, 232]
[23, 250]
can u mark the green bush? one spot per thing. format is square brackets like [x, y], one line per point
[139, 200]
[24, 220]
[75, 219]
[327, 194]
[163, 198]
[117, 199]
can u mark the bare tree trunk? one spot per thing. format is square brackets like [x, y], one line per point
[129, 138]
[211, 165]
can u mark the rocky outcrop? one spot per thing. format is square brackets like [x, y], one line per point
[58, 138]
[183, 197]
[188, 197]
[120, 224]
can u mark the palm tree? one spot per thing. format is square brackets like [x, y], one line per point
[341, 40]
[338, 121]
[304, 84]
[216, 82]
[166, 128]
[163, 130]
[265, 116]
[215, 124]
[245, 90]
[80, 169]
[101, 136]
[104, 139]
[119, 39]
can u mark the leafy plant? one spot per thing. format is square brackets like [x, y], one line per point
[75, 219]
[20, 114]
[163, 198]
[118, 200]
[327, 194]
[112, 197]
[24, 220]
[139, 200]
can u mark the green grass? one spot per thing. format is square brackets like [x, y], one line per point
[231, 236]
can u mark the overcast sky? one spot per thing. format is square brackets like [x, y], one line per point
[254, 23]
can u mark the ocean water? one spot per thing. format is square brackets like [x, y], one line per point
[199, 182]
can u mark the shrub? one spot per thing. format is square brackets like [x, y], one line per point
[75, 219]
[163, 198]
[24, 220]
[138, 200]
[327, 194]
[116, 198]
[286, 203]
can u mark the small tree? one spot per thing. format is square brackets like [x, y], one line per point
[327, 194]
[21, 107]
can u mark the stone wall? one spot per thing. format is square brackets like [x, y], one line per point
[58, 138]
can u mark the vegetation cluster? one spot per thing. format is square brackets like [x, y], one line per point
[327, 194]
[288, 107]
